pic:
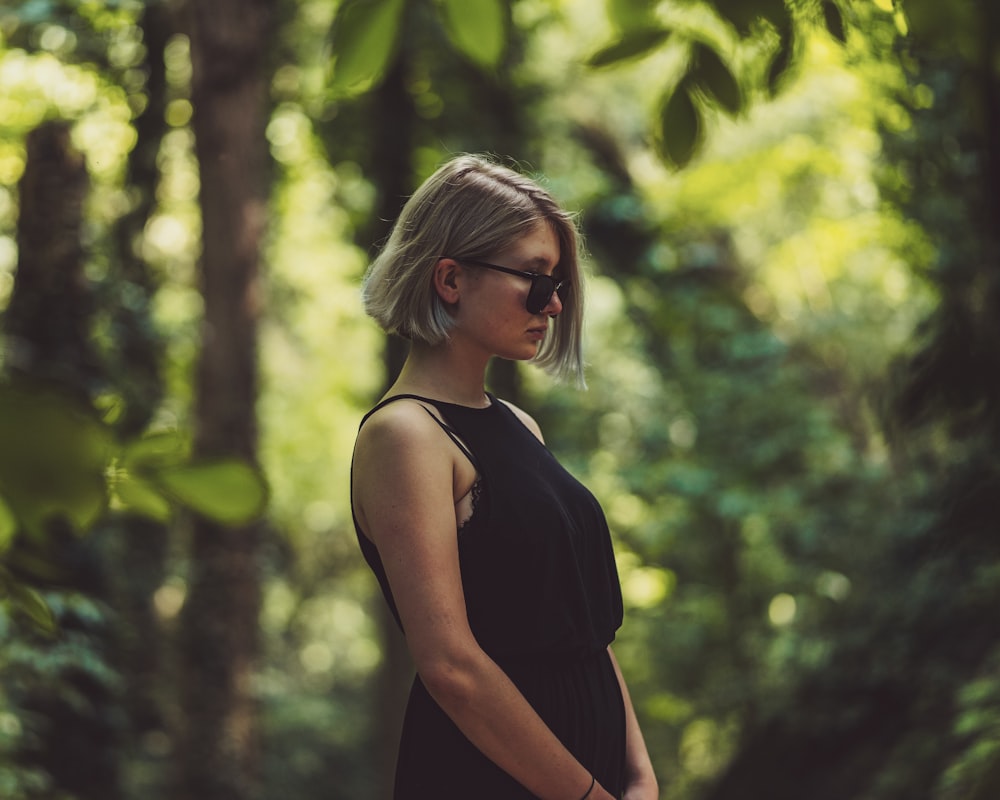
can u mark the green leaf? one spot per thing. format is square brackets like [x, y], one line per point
[477, 28]
[136, 495]
[834, 21]
[228, 491]
[680, 128]
[53, 457]
[34, 606]
[8, 525]
[164, 448]
[716, 79]
[633, 44]
[630, 14]
[365, 33]
[28, 601]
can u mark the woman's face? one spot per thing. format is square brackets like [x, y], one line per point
[491, 311]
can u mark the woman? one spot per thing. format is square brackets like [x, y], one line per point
[494, 560]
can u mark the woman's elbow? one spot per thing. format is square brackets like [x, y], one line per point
[450, 678]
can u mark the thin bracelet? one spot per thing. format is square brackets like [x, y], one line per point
[586, 794]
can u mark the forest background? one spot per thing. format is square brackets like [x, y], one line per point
[793, 411]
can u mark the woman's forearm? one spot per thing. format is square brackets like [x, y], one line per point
[639, 767]
[488, 708]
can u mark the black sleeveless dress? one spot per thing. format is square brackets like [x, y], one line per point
[543, 601]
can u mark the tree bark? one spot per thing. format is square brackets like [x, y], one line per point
[47, 328]
[47, 322]
[218, 741]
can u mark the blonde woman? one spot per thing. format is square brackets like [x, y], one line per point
[495, 561]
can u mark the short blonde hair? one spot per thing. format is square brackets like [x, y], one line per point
[471, 208]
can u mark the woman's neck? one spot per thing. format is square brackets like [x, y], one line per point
[437, 372]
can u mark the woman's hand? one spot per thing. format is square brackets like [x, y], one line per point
[600, 793]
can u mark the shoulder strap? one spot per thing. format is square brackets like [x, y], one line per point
[448, 429]
[393, 399]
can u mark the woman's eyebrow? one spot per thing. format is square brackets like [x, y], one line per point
[538, 262]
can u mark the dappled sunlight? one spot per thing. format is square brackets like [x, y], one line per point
[782, 610]
[319, 353]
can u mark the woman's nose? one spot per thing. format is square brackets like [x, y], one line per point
[554, 307]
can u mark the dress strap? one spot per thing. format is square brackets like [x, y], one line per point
[448, 429]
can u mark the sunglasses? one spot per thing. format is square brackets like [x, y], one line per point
[542, 286]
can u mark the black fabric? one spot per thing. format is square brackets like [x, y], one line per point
[543, 601]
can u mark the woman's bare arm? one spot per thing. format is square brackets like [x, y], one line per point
[640, 780]
[403, 488]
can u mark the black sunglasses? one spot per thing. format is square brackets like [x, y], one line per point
[542, 286]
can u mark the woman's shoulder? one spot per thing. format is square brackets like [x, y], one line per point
[401, 422]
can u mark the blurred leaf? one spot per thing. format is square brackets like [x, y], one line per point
[364, 36]
[629, 15]
[231, 492]
[53, 456]
[139, 496]
[712, 74]
[8, 525]
[680, 127]
[110, 407]
[633, 44]
[26, 600]
[164, 448]
[834, 20]
[31, 603]
[477, 28]
[902, 25]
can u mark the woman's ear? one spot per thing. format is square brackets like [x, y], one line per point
[446, 280]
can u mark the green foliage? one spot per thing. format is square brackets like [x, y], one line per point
[61, 468]
[53, 457]
[477, 28]
[26, 600]
[155, 473]
[834, 20]
[48, 682]
[634, 43]
[228, 491]
[631, 15]
[758, 34]
[57, 458]
[709, 71]
[681, 127]
[364, 35]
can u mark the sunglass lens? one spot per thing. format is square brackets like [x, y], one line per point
[540, 293]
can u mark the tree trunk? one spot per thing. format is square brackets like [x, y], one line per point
[47, 322]
[218, 747]
[47, 327]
